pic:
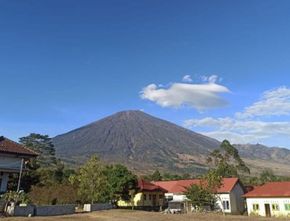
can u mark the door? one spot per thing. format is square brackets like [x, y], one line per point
[267, 210]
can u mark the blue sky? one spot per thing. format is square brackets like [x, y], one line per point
[66, 63]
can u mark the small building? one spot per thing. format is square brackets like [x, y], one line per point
[148, 197]
[270, 199]
[12, 160]
[229, 195]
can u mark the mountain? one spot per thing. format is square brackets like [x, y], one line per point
[259, 156]
[138, 140]
[144, 143]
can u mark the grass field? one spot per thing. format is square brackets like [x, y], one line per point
[128, 215]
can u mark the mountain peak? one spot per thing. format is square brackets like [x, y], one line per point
[137, 139]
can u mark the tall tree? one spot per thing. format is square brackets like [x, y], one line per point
[227, 161]
[42, 144]
[92, 181]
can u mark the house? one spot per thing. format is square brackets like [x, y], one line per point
[12, 160]
[229, 195]
[270, 199]
[148, 196]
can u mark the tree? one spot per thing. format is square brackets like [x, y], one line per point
[92, 181]
[42, 144]
[156, 176]
[200, 196]
[227, 161]
[267, 176]
[120, 181]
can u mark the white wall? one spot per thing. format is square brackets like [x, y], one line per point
[262, 201]
[235, 199]
[220, 199]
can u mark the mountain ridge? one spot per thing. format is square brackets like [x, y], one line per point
[145, 143]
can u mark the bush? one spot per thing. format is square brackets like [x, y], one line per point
[53, 194]
[17, 197]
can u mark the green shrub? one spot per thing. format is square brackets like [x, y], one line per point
[53, 194]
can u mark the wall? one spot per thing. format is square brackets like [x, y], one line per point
[54, 210]
[24, 210]
[223, 197]
[220, 198]
[237, 201]
[139, 200]
[97, 207]
[262, 201]
[9, 162]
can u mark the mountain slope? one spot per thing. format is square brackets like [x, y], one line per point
[137, 139]
[145, 143]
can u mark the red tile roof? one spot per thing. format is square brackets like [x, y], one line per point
[147, 186]
[9, 146]
[272, 189]
[179, 186]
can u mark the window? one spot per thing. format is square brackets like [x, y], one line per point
[275, 207]
[149, 196]
[255, 207]
[160, 196]
[287, 206]
[145, 196]
[226, 205]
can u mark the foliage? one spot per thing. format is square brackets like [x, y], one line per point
[169, 176]
[92, 181]
[17, 197]
[200, 196]
[120, 181]
[53, 194]
[42, 144]
[227, 161]
[156, 176]
[264, 177]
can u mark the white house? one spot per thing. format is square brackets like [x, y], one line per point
[229, 195]
[12, 160]
[270, 199]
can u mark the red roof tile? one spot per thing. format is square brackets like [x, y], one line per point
[9, 146]
[272, 189]
[147, 186]
[179, 186]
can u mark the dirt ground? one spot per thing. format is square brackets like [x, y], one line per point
[129, 215]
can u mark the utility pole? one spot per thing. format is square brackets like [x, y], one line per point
[20, 174]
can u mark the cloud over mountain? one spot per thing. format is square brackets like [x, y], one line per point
[198, 96]
[254, 124]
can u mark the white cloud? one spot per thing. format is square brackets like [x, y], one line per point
[187, 78]
[272, 103]
[240, 131]
[211, 79]
[198, 96]
[246, 126]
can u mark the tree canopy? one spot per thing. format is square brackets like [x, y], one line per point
[42, 144]
[227, 161]
[92, 181]
[120, 181]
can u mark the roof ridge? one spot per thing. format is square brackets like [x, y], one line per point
[3, 138]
